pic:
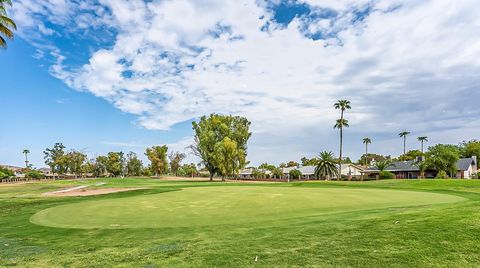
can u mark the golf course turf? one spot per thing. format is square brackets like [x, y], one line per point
[400, 223]
[200, 206]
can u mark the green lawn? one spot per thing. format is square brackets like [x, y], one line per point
[380, 223]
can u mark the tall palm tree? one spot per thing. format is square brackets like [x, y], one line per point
[326, 166]
[26, 152]
[366, 141]
[404, 136]
[423, 139]
[341, 105]
[340, 124]
[6, 24]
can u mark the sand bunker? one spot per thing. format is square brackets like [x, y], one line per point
[76, 191]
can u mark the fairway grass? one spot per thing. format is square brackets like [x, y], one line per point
[232, 205]
[386, 223]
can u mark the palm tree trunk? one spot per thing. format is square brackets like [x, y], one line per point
[404, 144]
[341, 145]
[366, 154]
[422, 146]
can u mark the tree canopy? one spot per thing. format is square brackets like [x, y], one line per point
[158, 159]
[220, 141]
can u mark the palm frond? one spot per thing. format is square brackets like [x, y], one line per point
[7, 22]
[3, 43]
[6, 32]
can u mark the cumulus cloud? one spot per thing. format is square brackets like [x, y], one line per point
[404, 64]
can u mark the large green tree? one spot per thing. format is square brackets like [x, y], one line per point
[100, 166]
[443, 157]
[75, 161]
[7, 25]
[470, 148]
[115, 163]
[410, 155]
[176, 159]
[158, 159]
[309, 161]
[220, 141]
[55, 159]
[134, 165]
[326, 167]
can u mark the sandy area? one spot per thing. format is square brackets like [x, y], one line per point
[87, 191]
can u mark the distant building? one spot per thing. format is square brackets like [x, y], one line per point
[466, 169]
[308, 172]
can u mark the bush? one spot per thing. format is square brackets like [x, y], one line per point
[34, 174]
[6, 173]
[295, 174]
[441, 175]
[385, 175]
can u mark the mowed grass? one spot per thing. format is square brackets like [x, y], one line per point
[233, 205]
[400, 223]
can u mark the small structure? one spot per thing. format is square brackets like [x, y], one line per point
[308, 172]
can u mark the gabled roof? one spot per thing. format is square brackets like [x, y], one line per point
[465, 163]
[462, 165]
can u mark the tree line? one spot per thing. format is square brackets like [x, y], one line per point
[115, 164]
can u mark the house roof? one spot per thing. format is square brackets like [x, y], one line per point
[462, 165]
[465, 163]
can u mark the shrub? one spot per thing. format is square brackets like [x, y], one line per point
[295, 174]
[6, 173]
[34, 174]
[385, 175]
[441, 175]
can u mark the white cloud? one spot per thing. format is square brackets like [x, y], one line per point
[414, 67]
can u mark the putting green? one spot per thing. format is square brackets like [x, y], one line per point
[201, 206]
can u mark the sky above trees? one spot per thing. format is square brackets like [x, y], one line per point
[125, 75]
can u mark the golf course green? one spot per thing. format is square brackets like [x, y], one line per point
[239, 205]
[164, 223]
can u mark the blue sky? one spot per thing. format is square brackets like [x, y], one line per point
[110, 75]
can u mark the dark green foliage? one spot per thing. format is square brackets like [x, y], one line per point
[367, 158]
[386, 175]
[442, 175]
[34, 174]
[295, 174]
[188, 170]
[5, 173]
[326, 167]
[443, 157]
[470, 148]
[410, 155]
[115, 163]
[309, 161]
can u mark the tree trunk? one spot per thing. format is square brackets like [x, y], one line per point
[211, 176]
[341, 145]
[404, 144]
